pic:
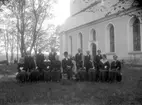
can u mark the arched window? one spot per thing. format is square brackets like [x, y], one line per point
[136, 35]
[70, 38]
[110, 38]
[93, 35]
[112, 41]
[80, 41]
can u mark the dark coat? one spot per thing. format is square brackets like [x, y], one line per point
[97, 59]
[40, 60]
[29, 63]
[19, 66]
[87, 62]
[104, 66]
[116, 65]
[57, 65]
[47, 64]
[66, 63]
[52, 56]
[79, 60]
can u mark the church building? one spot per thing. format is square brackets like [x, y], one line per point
[113, 26]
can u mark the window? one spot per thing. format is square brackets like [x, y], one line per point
[112, 42]
[136, 35]
[70, 38]
[80, 41]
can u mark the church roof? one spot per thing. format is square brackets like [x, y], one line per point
[94, 13]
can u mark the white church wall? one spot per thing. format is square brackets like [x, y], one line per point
[121, 37]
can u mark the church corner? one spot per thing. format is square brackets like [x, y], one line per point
[112, 26]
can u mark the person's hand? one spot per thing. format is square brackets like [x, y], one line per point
[47, 67]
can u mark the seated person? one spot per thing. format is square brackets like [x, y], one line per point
[67, 65]
[115, 71]
[47, 64]
[57, 64]
[56, 70]
[20, 66]
[29, 63]
[104, 68]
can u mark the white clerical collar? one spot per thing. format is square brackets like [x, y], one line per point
[66, 58]
[104, 61]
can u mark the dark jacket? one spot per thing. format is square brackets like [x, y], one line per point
[66, 63]
[104, 66]
[52, 56]
[116, 65]
[29, 63]
[40, 60]
[87, 62]
[79, 60]
[57, 65]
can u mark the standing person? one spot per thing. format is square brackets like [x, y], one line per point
[104, 68]
[115, 72]
[67, 65]
[29, 63]
[79, 59]
[52, 55]
[97, 59]
[40, 60]
[87, 63]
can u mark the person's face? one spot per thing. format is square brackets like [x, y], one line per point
[99, 52]
[115, 57]
[88, 52]
[66, 55]
[79, 50]
[103, 57]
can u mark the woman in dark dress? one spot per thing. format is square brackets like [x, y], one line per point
[104, 68]
[21, 75]
[56, 70]
[115, 72]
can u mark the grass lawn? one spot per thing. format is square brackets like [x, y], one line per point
[72, 93]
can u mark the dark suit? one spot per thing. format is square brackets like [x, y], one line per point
[114, 74]
[116, 65]
[52, 58]
[79, 61]
[104, 70]
[97, 61]
[40, 61]
[29, 63]
[65, 64]
[19, 66]
[87, 62]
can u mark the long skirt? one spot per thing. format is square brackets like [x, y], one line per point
[82, 75]
[112, 76]
[34, 76]
[92, 75]
[22, 77]
[47, 76]
[55, 75]
[103, 75]
[118, 77]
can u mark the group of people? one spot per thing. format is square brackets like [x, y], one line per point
[78, 67]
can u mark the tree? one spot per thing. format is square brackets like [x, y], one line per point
[30, 15]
